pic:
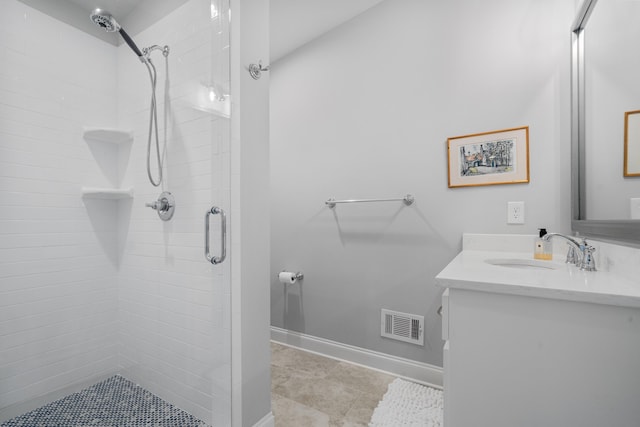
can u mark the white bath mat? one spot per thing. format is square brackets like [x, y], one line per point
[408, 404]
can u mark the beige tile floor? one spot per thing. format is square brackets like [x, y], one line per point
[308, 390]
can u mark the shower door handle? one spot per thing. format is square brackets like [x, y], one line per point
[223, 236]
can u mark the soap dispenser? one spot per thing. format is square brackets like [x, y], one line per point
[542, 249]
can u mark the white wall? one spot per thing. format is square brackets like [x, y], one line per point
[58, 266]
[174, 306]
[365, 112]
[250, 216]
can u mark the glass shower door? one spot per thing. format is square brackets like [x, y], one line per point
[92, 283]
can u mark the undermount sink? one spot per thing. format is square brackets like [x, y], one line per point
[521, 263]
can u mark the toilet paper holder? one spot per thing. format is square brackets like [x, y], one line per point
[297, 276]
[290, 277]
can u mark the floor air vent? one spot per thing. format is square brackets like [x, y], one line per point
[402, 326]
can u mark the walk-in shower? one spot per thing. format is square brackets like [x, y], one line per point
[114, 299]
[106, 21]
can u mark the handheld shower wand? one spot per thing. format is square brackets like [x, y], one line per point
[106, 21]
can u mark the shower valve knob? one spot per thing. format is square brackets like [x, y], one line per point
[159, 205]
[165, 205]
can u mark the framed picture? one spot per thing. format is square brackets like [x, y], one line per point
[632, 143]
[489, 158]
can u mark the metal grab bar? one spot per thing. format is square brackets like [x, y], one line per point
[408, 200]
[223, 236]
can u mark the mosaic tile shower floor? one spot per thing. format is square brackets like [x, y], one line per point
[115, 402]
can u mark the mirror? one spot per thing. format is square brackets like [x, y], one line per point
[605, 88]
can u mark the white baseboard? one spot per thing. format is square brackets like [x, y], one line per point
[266, 421]
[405, 368]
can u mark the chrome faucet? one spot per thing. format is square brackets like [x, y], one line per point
[580, 254]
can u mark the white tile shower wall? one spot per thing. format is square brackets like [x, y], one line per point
[174, 306]
[58, 299]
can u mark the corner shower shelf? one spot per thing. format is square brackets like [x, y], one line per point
[108, 135]
[114, 138]
[107, 193]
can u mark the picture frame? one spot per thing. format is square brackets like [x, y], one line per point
[631, 143]
[489, 158]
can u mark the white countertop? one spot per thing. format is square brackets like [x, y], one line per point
[469, 271]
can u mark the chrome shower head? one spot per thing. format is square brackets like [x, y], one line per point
[104, 20]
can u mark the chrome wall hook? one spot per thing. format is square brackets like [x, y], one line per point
[256, 70]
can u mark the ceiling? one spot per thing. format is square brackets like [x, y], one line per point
[293, 23]
[118, 8]
[133, 15]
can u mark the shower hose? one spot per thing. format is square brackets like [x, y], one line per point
[153, 115]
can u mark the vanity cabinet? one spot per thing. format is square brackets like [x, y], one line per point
[520, 360]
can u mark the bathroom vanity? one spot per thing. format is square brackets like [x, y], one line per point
[539, 343]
